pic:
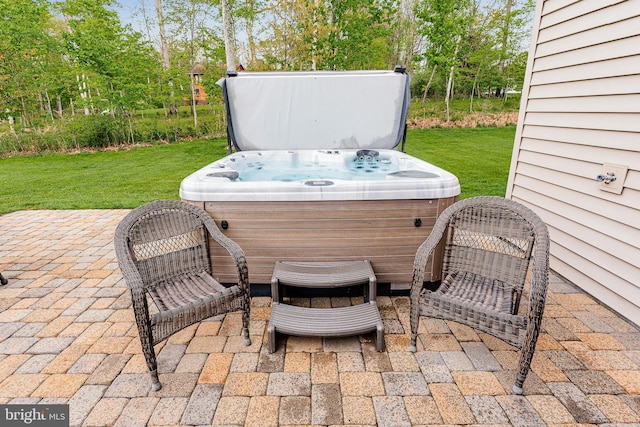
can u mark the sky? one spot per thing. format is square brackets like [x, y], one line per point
[130, 12]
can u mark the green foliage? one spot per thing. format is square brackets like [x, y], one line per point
[101, 131]
[358, 35]
[108, 59]
[62, 60]
[25, 43]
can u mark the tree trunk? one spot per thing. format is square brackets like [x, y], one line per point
[505, 39]
[250, 20]
[164, 46]
[450, 79]
[46, 92]
[426, 89]
[474, 89]
[227, 30]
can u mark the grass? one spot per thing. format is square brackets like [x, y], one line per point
[479, 157]
[128, 178]
[102, 180]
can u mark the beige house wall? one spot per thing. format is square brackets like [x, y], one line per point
[580, 109]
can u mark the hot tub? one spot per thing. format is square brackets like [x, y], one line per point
[344, 193]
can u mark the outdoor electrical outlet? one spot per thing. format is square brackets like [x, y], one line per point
[612, 177]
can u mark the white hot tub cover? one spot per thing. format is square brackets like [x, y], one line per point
[316, 109]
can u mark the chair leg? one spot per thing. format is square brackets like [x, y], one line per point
[245, 327]
[414, 331]
[3, 281]
[144, 331]
[155, 382]
[526, 354]
[152, 363]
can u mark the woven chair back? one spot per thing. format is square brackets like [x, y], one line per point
[167, 243]
[490, 241]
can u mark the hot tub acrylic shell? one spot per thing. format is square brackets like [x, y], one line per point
[315, 175]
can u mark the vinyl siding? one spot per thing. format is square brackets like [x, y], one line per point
[580, 109]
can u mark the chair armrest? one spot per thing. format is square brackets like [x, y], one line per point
[426, 249]
[539, 274]
[125, 262]
[235, 251]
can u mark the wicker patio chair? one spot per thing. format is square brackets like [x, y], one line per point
[492, 247]
[163, 252]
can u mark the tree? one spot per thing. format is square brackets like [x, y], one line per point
[406, 42]
[26, 48]
[359, 34]
[115, 59]
[443, 23]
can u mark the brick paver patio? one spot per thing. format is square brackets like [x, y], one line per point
[67, 335]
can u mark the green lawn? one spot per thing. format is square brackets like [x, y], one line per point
[479, 157]
[125, 179]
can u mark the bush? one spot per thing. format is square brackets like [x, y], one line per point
[102, 131]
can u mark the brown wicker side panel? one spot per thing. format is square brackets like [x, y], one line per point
[381, 231]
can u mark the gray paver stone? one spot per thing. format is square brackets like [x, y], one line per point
[94, 315]
[533, 384]
[129, 385]
[175, 385]
[168, 411]
[137, 412]
[582, 409]
[87, 363]
[629, 340]
[271, 362]
[487, 410]
[169, 357]
[83, 402]
[480, 356]
[29, 329]
[78, 307]
[557, 331]
[392, 326]
[457, 361]
[295, 410]
[289, 384]
[10, 328]
[593, 322]
[106, 412]
[35, 364]
[390, 411]
[16, 345]
[53, 345]
[564, 360]
[433, 367]
[520, 411]
[109, 369]
[594, 382]
[405, 384]
[326, 404]
[202, 404]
